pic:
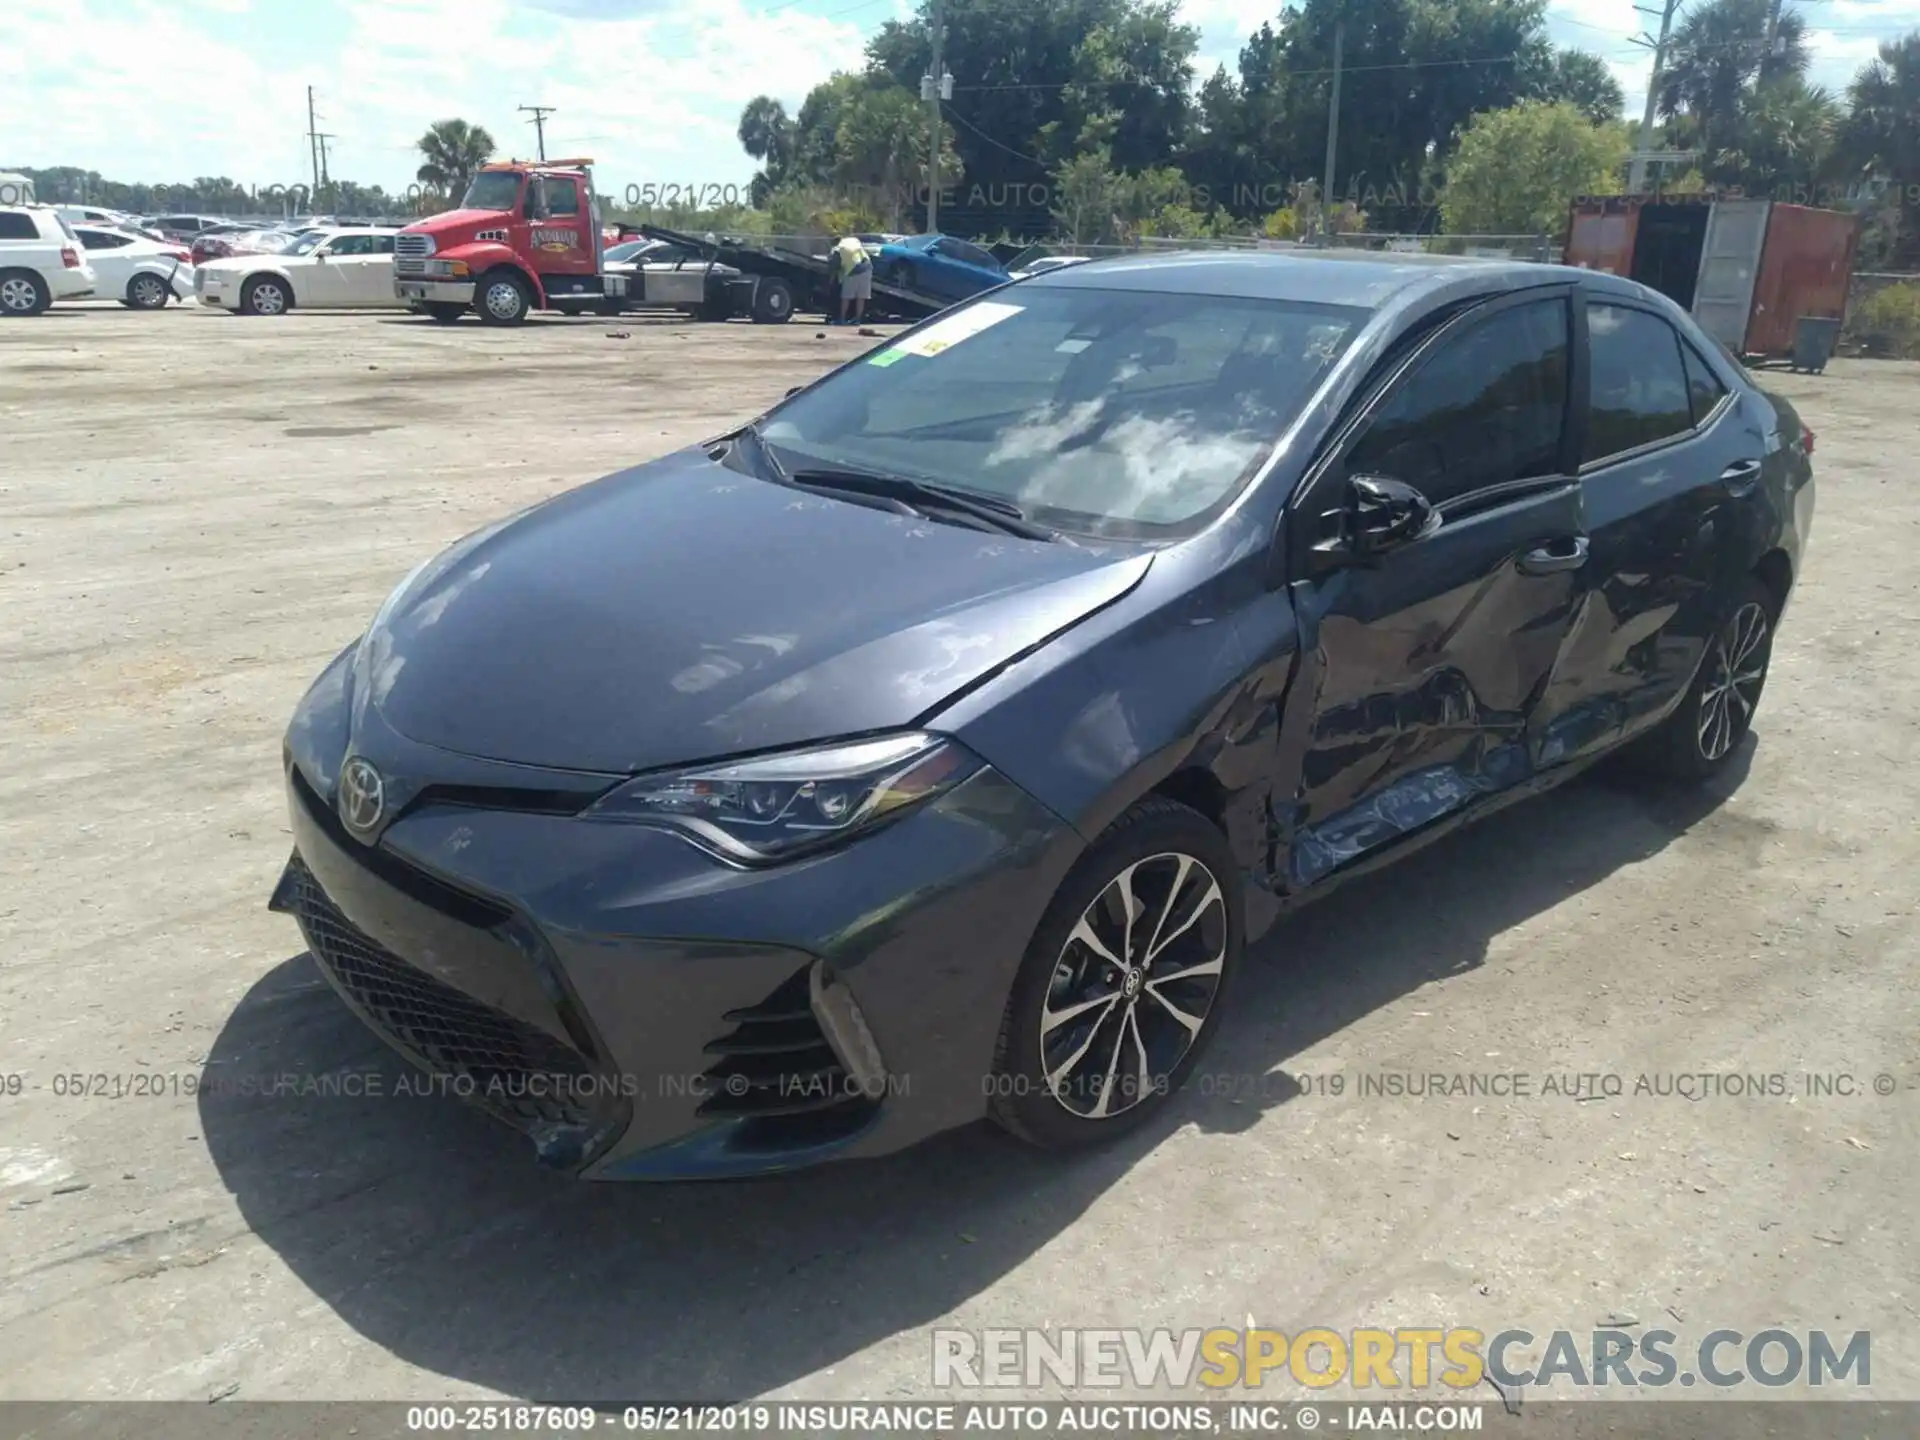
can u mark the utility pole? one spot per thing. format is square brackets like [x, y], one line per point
[326, 181]
[313, 140]
[1643, 145]
[539, 123]
[936, 85]
[1333, 137]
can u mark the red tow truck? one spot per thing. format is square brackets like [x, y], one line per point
[528, 236]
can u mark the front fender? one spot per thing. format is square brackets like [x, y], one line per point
[484, 255]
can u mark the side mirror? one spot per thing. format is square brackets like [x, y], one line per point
[320, 257]
[1379, 515]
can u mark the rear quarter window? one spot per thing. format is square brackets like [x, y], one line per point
[17, 225]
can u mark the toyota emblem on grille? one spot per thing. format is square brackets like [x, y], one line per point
[363, 796]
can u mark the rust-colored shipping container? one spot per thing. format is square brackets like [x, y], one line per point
[1748, 270]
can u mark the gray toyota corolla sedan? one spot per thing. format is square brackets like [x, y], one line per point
[931, 748]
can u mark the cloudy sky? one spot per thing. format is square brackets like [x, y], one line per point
[164, 90]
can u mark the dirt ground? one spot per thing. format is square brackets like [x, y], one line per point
[197, 511]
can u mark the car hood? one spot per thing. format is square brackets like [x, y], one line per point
[682, 610]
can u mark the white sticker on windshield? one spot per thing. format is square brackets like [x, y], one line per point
[1072, 347]
[944, 334]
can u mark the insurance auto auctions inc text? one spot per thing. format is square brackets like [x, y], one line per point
[1405, 1358]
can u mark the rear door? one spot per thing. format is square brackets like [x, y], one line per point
[1424, 669]
[1671, 469]
[110, 257]
[1729, 266]
[369, 271]
[322, 278]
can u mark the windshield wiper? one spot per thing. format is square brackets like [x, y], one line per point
[927, 498]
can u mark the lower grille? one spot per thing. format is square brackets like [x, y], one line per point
[501, 1063]
[777, 1069]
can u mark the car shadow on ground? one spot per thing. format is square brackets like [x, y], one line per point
[427, 1228]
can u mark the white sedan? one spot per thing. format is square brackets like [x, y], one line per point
[136, 271]
[340, 269]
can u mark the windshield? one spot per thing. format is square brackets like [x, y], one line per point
[1108, 412]
[628, 250]
[492, 190]
[306, 244]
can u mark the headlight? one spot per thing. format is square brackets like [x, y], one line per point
[778, 806]
[447, 269]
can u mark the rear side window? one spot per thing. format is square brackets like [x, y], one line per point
[1488, 406]
[1640, 392]
[1703, 386]
[103, 240]
[17, 225]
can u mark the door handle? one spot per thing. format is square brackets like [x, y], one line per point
[1556, 555]
[1741, 476]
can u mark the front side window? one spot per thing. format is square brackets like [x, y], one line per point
[1107, 412]
[1486, 407]
[1640, 393]
[562, 196]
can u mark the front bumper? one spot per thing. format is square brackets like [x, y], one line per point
[642, 1011]
[416, 291]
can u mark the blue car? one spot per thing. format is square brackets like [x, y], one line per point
[931, 748]
[939, 265]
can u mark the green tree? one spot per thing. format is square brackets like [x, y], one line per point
[1582, 78]
[1786, 134]
[1516, 170]
[766, 134]
[1718, 54]
[1882, 129]
[452, 150]
[1088, 195]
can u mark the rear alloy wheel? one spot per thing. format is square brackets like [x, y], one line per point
[147, 292]
[23, 293]
[1699, 737]
[266, 296]
[503, 299]
[1122, 986]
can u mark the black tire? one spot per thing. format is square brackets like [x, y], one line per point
[148, 292]
[23, 292]
[772, 302]
[501, 298]
[266, 295]
[1184, 870]
[1698, 739]
[445, 312]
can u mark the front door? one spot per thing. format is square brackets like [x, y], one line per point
[561, 238]
[1424, 666]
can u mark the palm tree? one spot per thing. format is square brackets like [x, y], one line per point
[1718, 52]
[1784, 136]
[453, 150]
[766, 134]
[1883, 124]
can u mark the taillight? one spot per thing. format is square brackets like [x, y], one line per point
[1806, 439]
[181, 254]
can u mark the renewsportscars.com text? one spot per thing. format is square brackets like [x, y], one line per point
[1403, 1358]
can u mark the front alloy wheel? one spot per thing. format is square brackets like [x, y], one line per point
[1123, 983]
[1134, 985]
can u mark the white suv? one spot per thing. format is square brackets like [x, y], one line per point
[40, 260]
